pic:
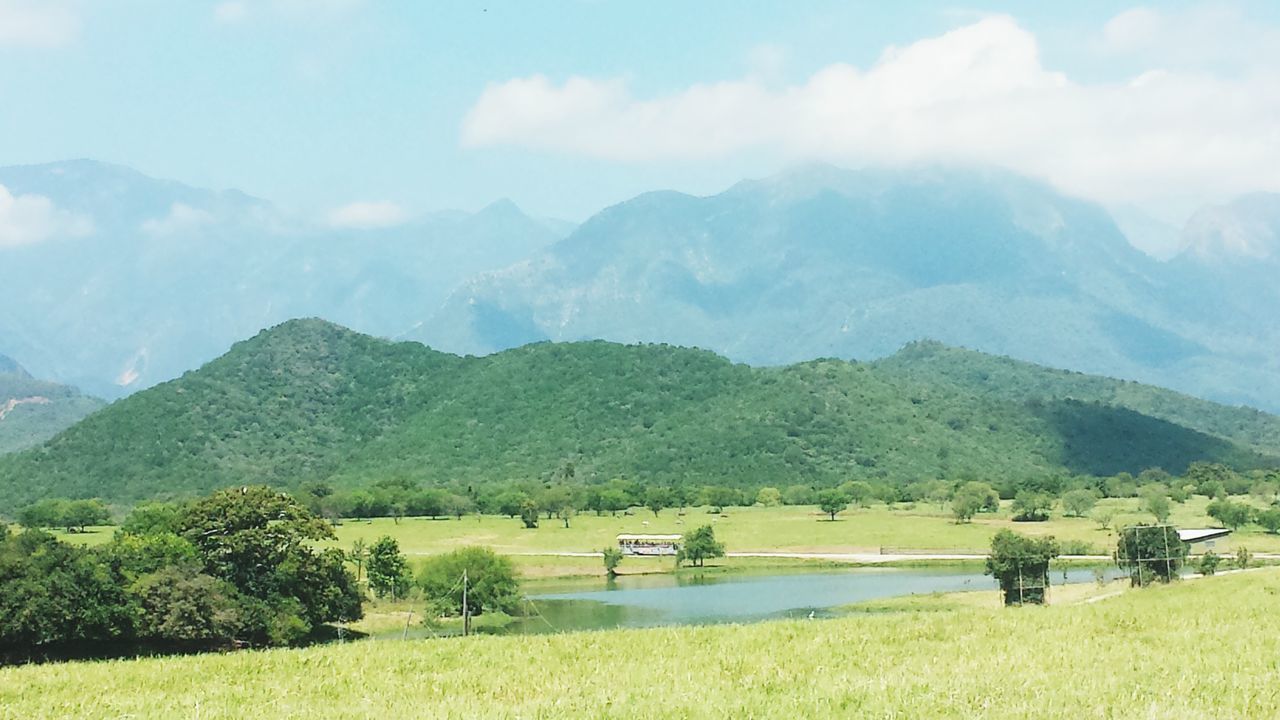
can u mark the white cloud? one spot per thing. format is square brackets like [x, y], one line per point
[30, 219]
[976, 94]
[37, 24]
[368, 215]
[232, 11]
[181, 218]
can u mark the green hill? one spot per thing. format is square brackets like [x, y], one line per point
[1001, 377]
[32, 411]
[311, 401]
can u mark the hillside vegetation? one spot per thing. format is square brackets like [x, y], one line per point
[310, 401]
[32, 411]
[1197, 649]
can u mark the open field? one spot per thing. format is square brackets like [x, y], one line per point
[1204, 649]
[778, 529]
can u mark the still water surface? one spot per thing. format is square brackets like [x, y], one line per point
[645, 601]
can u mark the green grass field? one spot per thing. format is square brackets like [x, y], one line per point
[1204, 649]
[800, 529]
[797, 529]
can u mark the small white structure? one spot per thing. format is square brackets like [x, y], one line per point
[649, 544]
[1201, 540]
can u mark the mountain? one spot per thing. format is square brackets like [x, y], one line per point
[829, 262]
[32, 411]
[125, 280]
[311, 401]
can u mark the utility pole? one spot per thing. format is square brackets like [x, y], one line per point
[466, 612]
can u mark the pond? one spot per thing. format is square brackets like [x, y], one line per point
[652, 600]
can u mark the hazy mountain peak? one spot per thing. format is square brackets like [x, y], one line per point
[1247, 228]
[9, 366]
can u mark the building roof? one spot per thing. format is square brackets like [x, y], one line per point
[1192, 535]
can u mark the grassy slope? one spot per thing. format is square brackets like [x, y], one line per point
[1203, 649]
[311, 401]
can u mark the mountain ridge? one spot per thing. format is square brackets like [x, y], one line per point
[310, 401]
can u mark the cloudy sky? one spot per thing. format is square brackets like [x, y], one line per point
[366, 113]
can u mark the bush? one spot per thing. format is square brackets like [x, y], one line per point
[1032, 506]
[1208, 563]
[1150, 552]
[1021, 565]
[491, 582]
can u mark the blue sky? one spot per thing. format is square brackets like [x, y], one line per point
[566, 107]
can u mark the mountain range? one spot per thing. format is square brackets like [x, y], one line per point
[140, 280]
[309, 401]
[855, 264]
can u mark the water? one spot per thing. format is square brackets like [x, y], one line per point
[646, 601]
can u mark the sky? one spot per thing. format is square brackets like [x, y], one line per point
[368, 113]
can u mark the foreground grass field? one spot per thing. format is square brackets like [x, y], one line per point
[1204, 649]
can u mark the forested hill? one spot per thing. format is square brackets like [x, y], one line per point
[310, 401]
[934, 363]
[32, 411]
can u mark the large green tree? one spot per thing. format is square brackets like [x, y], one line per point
[1021, 565]
[699, 546]
[488, 580]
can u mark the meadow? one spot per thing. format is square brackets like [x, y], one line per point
[914, 529]
[1200, 649]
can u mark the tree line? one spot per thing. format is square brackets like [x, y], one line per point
[237, 568]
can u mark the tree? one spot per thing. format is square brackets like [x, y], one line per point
[179, 604]
[388, 570]
[1150, 552]
[529, 514]
[1243, 557]
[612, 559]
[858, 492]
[989, 497]
[798, 495]
[1230, 513]
[263, 543]
[965, 505]
[769, 497]
[1021, 565]
[656, 499]
[566, 513]
[1032, 506]
[509, 503]
[1208, 563]
[1157, 505]
[148, 518]
[491, 582]
[1269, 519]
[1078, 503]
[700, 545]
[832, 501]
[1104, 516]
[357, 555]
[79, 514]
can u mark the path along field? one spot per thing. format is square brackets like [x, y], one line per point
[1205, 649]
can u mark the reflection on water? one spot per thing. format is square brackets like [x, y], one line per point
[694, 599]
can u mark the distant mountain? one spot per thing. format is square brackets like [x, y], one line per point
[126, 280]
[310, 401]
[855, 264]
[32, 411]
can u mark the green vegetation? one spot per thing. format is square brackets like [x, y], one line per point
[237, 567]
[388, 570]
[699, 546]
[74, 515]
[1150, 552]
[308, 402]
[1201, 649]
[32, 411]
[1021, 565]
[487, 580]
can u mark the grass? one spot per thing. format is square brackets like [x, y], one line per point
[795, 529]
[1205, 649]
